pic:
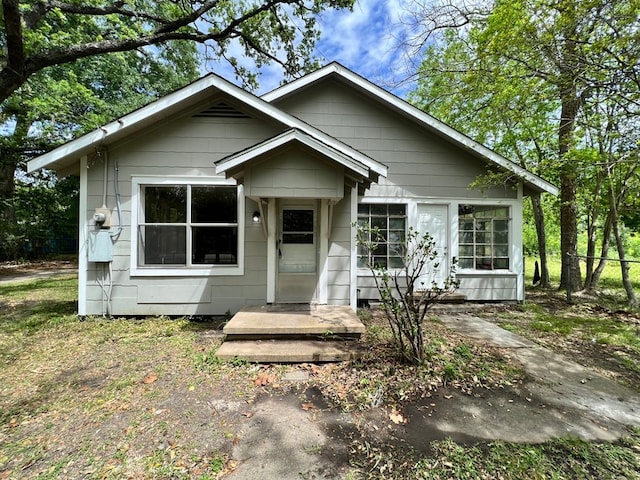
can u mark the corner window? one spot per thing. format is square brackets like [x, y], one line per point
[483, 237]
[391, 222]
[192, 225]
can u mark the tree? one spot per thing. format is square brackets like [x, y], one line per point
[70, 66]
[65, 101]
[496, 104]
[38, 34]
[405, 296]
[574, 48]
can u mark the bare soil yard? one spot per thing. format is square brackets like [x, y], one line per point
[128, 398]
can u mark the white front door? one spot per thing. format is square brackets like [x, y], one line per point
[433, 219]
[297, 252]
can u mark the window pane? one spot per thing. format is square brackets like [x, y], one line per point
[465, 262]
[163, 245]
[500, 237]
[465, 250]
[293, 238]
[397, 223]
[165, 204]
[397, 209]
[501, 251]
[363, 209]
[380, 262]
[501, 225]
[379, 222]
[501, 263]
[215, 245]
[483, 225]
[377, 209]
[465, 224]
[483, 263]
[483, 237]
[214, 204]
[395, 262]
[297, 221]
[466, 237]
[396, 237]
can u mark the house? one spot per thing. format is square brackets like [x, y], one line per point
[211, 198]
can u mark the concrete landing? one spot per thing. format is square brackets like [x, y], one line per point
[295, 320]
[292, 333]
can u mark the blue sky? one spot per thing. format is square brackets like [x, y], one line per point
[364, 40]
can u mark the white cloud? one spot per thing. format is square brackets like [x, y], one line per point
[365, 40]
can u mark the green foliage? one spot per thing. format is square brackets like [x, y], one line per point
[404, 296]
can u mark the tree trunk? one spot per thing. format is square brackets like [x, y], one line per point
[624, 265]
[570, 105]
[604, 253]
[538, 217]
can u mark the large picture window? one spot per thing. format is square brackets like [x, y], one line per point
[483, 232]
[188, 225]
[391, 222]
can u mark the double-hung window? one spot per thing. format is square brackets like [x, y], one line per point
[191, 225]
[483, 232]
[390, 222]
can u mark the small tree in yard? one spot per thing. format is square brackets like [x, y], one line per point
[405, 297]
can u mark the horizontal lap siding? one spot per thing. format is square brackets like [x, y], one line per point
[423, 167]
[184, 147]
[420, 164]
[339, 257]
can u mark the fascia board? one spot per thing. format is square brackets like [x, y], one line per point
[233, 161]
[165, 105]
[160, 108]
[301, 82]
[410, 111]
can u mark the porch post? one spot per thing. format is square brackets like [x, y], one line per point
[272, 218]
[82, 240]
[323, 254]
[353, 284]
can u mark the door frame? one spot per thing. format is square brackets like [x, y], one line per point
[322, 246]
[446, 254]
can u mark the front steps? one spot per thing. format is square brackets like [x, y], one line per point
[292, 334]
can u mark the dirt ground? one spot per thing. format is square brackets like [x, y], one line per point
[129, 401]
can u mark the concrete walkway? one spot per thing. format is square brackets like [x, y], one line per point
[603, 408]
[560, 399]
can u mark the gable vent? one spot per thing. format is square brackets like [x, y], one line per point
[222, 110]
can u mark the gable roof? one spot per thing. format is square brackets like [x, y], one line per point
[291, 136]
[334, 69]
[209, 85]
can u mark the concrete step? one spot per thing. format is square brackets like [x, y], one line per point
[290, 351]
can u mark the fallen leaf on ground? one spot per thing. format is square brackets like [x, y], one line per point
[308, 406]
[150, 378]
[397, 418]
[264, 379]
[248, 414]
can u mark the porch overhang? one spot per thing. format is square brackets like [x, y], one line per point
[354, 171]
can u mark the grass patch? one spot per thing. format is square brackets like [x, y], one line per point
[565, 458]
[125, 398]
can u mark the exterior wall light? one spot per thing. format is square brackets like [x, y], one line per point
[256, 217]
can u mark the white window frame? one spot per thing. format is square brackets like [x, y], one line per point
[137, 182]
[510, 233]
[365, 271]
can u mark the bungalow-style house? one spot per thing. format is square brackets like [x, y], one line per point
[211, 198]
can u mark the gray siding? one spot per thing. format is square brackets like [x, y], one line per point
[339, 258]
[183, 147]
[294, 173]
[420, 164]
